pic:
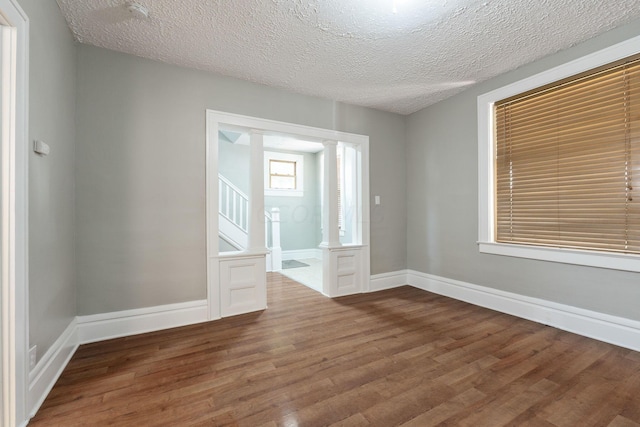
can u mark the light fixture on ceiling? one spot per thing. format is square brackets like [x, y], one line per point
[137, 10]
[402, 4]
[372, 19]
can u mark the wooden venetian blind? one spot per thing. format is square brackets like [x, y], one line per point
[568, 163]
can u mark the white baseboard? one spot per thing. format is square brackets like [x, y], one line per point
[85, 329]
[99, 327]
[47, 371]
[313, 253]
[379, 282]
[603, 327]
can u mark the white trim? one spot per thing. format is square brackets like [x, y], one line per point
[313, 253]
[610, 260]
[212, 216]
[45, 374]
[382, 281]
[486, 177]
[99, 327]
[241, 123]
[14, 284]
[603, 327]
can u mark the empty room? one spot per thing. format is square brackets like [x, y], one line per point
[314, 213]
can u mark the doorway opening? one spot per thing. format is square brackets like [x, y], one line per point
[287, 198]
[292, 200]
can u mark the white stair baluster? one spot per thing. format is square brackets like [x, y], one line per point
[233, 207]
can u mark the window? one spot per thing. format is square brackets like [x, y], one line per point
[284, 174]
[563, 160]
[566, 158]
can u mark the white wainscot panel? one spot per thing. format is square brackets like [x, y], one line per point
[346, 271]
[242, 285]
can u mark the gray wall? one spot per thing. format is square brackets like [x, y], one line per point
[442, 227]
[141, 174]
[52, 85]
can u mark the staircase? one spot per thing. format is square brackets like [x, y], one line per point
[233, 222]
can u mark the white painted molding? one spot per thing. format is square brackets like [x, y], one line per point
[14, 215]
[603, 327]
[45, 374]
[313, 253]
[99, 327]
[85, 329]
[395, 279]
[284, 127]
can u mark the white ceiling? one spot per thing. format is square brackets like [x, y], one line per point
[355, 51]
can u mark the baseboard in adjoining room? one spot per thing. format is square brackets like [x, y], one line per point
[313, 253]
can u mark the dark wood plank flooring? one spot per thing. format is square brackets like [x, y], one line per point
[396, 357]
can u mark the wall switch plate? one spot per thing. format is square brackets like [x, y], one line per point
[33, 351]
[377, 200]
[41, 148]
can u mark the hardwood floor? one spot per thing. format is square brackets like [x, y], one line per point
[396, 357]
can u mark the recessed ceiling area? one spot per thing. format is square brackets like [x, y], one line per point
[392, 55]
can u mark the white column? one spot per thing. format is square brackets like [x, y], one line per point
[256, 241]
[330, 232]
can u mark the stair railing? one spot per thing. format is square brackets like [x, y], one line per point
[233, 204]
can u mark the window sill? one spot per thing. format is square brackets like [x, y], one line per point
[612, 261]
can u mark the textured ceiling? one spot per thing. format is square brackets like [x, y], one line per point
[393, 55]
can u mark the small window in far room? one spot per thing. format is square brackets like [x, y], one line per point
[283, 174]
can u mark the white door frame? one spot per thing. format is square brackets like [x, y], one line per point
[14, 208]
[214, 120]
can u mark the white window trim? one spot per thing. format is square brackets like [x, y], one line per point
[486, 202]
[299, 159]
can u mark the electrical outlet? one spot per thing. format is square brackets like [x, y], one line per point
[33, 351]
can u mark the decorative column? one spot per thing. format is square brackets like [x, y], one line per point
[330, 231]
[256, 241]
